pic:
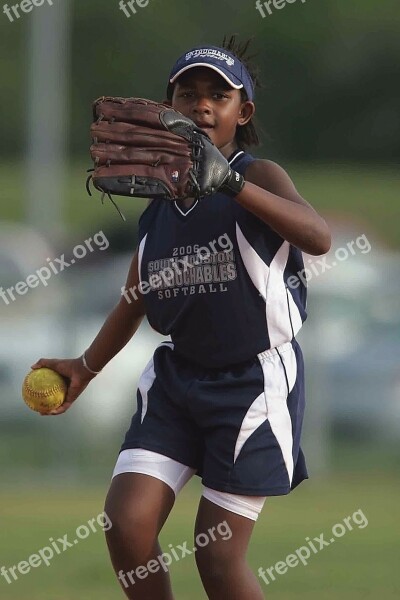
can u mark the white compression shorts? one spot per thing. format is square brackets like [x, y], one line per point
[176, 475]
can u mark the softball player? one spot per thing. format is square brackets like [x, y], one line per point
[224, 399]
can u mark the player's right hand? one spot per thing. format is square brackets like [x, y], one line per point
[78, 378]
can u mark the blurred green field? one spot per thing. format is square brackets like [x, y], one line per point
[360, 565]
[362, 194]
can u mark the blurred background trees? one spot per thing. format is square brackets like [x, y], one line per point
[330, 69]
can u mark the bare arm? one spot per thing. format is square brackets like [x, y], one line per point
[116, 332]
[121, 324]
[270, 194]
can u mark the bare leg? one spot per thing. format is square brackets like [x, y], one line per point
[222, 563]
[138, 506]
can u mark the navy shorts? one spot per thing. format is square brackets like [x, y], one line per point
[238, 426]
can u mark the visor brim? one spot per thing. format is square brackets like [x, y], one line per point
[224, 75]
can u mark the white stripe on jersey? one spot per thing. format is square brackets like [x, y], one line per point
[140, 256]
[255, 266]
[278, 318]
[239, 153]
[295, 315]
[189, 210]
[270, 284]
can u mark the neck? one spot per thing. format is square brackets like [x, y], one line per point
[228, 148]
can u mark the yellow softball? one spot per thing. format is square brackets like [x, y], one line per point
[44, 390]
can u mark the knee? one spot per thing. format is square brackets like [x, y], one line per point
[133, 522]
[215, 560]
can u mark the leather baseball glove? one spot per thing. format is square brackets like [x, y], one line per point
[149, 150]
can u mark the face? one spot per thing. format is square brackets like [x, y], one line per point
[205, 97]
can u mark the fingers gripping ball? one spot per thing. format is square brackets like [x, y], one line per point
[44, 390]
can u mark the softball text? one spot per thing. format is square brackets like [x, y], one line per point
[165, 273]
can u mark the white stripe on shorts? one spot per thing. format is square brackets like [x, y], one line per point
[271, 405]
[146, 380]
[276, 393]
[255, 416]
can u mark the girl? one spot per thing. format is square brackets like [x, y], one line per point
[225, 397]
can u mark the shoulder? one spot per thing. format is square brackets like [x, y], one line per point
[272, 177]
[268, 175]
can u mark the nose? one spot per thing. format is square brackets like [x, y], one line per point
[201, 107]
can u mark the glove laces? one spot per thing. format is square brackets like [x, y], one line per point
[89, 191]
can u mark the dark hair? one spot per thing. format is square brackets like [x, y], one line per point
[246, 135]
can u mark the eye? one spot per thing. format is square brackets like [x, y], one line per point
[220, 95]
[186, 94]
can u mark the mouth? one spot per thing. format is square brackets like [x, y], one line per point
[204, 125]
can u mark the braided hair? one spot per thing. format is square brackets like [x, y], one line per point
[246, 135]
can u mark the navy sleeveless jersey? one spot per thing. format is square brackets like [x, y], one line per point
[217, 279]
